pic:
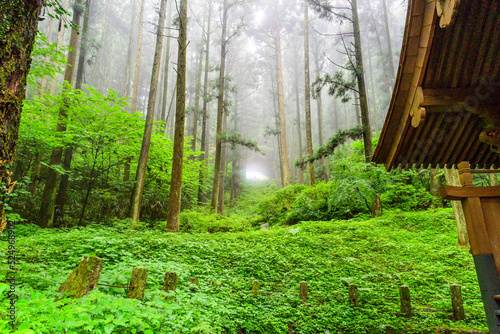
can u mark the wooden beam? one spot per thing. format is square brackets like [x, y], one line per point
[456, 96]
[458, 193]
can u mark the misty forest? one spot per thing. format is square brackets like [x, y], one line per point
[205, 166]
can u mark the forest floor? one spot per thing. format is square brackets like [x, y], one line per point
[417, 249]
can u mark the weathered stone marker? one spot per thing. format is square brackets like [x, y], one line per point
[138, 283]
[303, 292]
[170, 283]
[404, 296]
[84, 278]
[457, 302]
[255, 287]
[353, 295]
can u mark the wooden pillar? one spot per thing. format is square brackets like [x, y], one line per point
[405, 299]
[170, 283]
[255, 288]
[303, 292]
[482, 215]
[138, 283]
[353, 295]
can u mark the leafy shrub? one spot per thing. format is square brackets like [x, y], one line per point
[273, 208]
[406, 197]
[310, 204]
[199, 222]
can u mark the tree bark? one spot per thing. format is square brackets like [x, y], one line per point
[299, 127]
[68, 152]
[220, 110]
[135, 202]
[453, 179]
[223, 172]
[138, 59]
[310, 152]
[203, 144]
[166, 67]
[17, 32]
[46, 213]
[197, 96]
[174, 203]
[388, 40]
[363, 103]
[281, 102]
[128, 70]
[60, 39]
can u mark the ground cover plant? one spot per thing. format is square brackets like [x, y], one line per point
[379, 254]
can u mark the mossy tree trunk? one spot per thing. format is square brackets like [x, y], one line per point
[68, 153]
[360, 76]
[46, 213]
[220, 110]
[135, 202]
[18, 28]
[310, 152]
[84, 278]
[174, 203]
[281, 103]
[299, 127]
[204, 136]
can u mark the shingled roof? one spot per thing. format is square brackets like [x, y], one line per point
[447, 85]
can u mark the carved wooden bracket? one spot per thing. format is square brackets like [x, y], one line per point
[447, 10]
[417, 112]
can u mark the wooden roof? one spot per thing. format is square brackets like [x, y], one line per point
[444, 87]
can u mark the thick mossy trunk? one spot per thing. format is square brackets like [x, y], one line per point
[84, 278]
[18, 28]
[174, 204]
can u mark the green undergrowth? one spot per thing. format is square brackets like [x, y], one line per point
[378, 255]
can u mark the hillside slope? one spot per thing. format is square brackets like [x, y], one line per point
[378, 255]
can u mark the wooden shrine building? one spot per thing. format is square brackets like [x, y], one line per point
[445, 111]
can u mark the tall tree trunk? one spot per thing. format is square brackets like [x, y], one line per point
[452, 177]
[174, 203]
[292, 156]
[135, 202]
[138, 58]
[434, 182]
[310, 152]
[101, 69]
[281, 103]
[204, 141]
[388, 73]
[363, 103]
[68, 152]
[18, 30]
[128, 74]
[319, 107]
[46, 213]
[299, 127]
[372, 93]
[197, 95]
[166, 66]
[128, 70]
[220, 110]
[222, 183]
[390, 59]
[60, 40]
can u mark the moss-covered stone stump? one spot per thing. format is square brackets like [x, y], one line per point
[84, 278]
[138, 283]
[170, 283]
